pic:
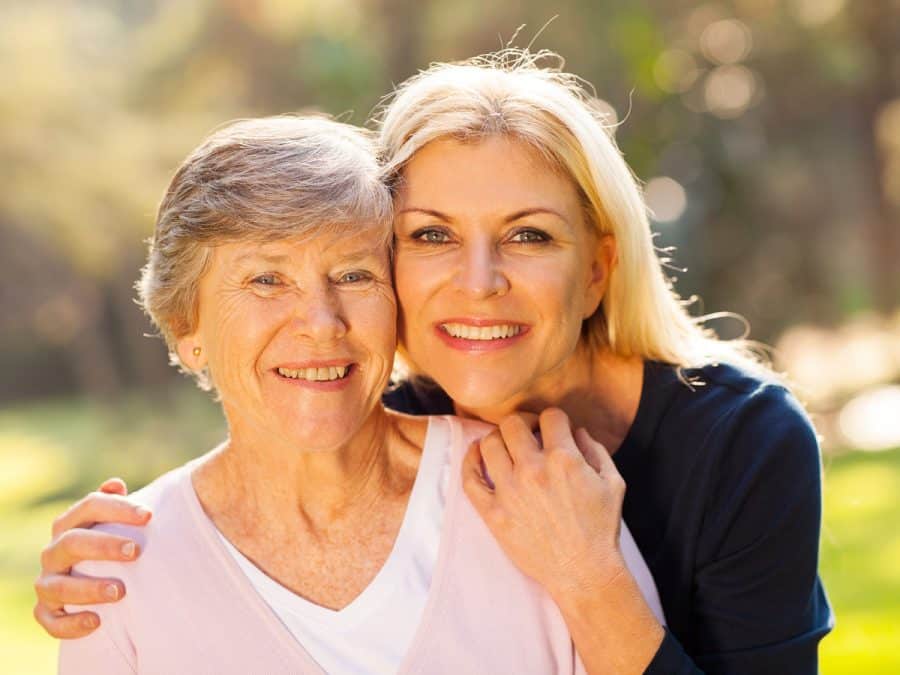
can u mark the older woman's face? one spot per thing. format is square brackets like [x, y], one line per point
[299, 336]
[495, 269]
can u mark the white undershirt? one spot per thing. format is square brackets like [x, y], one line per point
[372, 634]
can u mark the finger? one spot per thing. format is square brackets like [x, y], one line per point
[65, 626]
[77, 545]
[595, 453]
[497, 461]
[530, 418]
[56, 590]
[475, 484]
[113, 486]
[99, 507]
[556, 433]
[519, 438]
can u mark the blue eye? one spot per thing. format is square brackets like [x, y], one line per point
[266, 280]
[431, 235]
[354, 277]
[530, 236]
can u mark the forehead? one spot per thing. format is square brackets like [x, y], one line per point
[326, 246]
[497, 169]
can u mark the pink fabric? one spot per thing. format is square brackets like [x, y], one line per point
[190, 609]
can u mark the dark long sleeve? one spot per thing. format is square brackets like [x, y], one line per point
[742, 488]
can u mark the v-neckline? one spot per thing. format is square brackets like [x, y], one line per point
[237, 581]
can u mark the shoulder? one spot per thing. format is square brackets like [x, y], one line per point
[725, 404]
[167, 498]
[458, 433]
[724, 432]
[754, 454]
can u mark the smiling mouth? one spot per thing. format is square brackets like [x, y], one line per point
[326, 374]
[483, 333]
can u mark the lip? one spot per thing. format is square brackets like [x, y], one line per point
[319, 385]
[466, 345]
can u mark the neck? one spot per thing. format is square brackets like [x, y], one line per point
[597, 389]
[259, 479]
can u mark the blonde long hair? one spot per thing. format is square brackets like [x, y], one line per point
[512, 92]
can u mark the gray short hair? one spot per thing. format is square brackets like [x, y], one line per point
[257, 180]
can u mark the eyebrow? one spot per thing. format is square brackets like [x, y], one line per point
[272, 258]
[508, 219]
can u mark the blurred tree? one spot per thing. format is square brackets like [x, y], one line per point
[768, 134]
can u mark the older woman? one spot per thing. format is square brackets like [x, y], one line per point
[326, 534]
[526, 277]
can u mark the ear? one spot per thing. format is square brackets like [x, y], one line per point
[602, 263]
[187, 348]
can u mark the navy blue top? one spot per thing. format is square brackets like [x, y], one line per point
[724, 501]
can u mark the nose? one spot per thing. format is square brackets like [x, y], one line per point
[318, 316]
[479, 274]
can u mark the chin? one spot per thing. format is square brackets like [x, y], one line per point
[480, 393]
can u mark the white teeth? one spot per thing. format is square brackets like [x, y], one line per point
[459, 330]
[315, 374]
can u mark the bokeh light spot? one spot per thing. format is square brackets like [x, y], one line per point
[816, 12]
[729, 90]
[666, 199]
[726, 41]
[871, 420]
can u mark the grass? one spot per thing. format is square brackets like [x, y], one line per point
[52, 453]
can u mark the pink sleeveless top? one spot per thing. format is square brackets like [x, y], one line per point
[189, 608]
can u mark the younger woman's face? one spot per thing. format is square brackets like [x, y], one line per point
[495, 270]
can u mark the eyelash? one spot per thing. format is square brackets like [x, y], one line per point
[259, 280]
[363, 276]
[420, 234]
[540, 237]
[534, 236]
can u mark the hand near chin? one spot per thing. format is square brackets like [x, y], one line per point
[555, 510]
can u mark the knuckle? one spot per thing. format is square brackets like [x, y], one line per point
[533, 473]
[46, 558]
[57, 526]
[38, 613]
[41, 586]
[65, 541]
[561, 460]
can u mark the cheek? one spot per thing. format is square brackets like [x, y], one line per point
[377, 322]
[556, 287]
[412, 281]
[238, 331]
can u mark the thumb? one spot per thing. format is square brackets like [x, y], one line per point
[114, 486]
[594, 452]
[476, 483]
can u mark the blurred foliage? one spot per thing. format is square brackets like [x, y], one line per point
[775, 122]
[54, 452]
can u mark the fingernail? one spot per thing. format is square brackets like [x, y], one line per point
[91, 622]
[128, 549]
[112, 591]
[141, 512]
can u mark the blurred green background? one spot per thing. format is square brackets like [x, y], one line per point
[766, 132]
